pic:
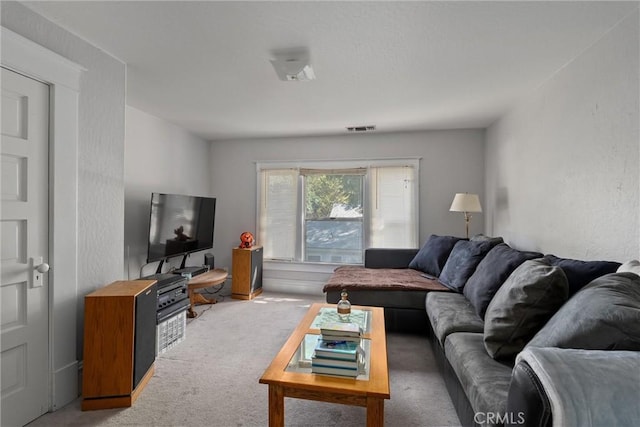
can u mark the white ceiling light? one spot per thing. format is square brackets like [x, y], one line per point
[293, 65]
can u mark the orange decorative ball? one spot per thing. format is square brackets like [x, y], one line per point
[246, 240]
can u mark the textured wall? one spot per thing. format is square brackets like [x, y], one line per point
[100, 150]
[452, 161]
[159, 157]
[562, 172]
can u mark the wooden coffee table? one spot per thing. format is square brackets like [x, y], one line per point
[298, 382]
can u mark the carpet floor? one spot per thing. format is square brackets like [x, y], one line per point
[211, 378]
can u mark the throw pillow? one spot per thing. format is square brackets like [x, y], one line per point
[482, 238]
[632, 266]
[432, 257]
[491, 273]
[579, 273]
[604, 315]
[521, 307]
[464, 258]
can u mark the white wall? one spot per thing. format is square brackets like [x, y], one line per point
[452, 161]
[562, 172]
[164, 158]
[100, 152]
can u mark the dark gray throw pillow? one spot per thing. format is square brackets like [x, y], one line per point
[482, 238]
[432, 257]
[604, 315]
[522, 306]
[491, 274]
[462, 262]
[579, 273]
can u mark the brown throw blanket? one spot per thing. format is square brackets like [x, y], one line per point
[361, 278]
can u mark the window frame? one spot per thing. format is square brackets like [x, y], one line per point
[413, 162]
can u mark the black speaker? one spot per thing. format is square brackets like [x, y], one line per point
[209, 260]
[145, 333]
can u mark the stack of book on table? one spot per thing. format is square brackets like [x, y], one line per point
[338, 351]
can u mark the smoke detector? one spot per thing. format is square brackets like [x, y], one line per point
[293, 65]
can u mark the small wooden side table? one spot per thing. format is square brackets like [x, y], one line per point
[204, 280]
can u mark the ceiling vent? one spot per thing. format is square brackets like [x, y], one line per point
[293, 65]
[361, 128]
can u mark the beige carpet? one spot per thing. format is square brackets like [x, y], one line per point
[211, 378]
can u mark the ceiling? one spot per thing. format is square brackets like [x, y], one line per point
[205, 66]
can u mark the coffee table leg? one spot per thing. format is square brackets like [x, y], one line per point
[276, 406]
[375, 412]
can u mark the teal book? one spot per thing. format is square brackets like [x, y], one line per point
[334, 363]
[329, 337]
[347, 350]
[341, 372]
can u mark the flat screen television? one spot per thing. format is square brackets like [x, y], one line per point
[179, 225]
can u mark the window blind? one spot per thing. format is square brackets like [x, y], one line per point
[278, 213]
[393, 207]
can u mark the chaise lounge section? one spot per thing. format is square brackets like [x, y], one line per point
[385, 281]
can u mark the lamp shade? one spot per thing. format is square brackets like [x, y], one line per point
[465, 202]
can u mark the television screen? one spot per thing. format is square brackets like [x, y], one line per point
[180, 224]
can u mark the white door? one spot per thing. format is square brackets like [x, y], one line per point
[24, 219]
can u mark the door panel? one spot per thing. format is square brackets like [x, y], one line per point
[24, 324]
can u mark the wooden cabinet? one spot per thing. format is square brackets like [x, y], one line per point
[246, 277]
[119, 343]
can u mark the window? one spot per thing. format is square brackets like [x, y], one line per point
[330, 212]
[333, 216]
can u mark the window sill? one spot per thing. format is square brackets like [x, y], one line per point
[312, 267]
[296, 277]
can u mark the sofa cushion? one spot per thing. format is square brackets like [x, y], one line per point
[450, 312]
[579, 273]
[462, 262]
[485, 380]
[521, 307]
[482, 238]
[491, 273]
[432, 257]
[604, 315]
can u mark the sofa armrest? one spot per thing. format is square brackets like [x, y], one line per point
[577, 387]
[527, 402]
[388, 258]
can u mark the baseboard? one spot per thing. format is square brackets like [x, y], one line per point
[297, 278]
[65, 385]
[293, 286]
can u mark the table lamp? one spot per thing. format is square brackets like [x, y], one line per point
[465, 202]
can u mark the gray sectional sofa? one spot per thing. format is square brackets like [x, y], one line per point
[506, 320]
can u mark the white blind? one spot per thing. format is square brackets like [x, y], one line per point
[278, 212]
[392, 198]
